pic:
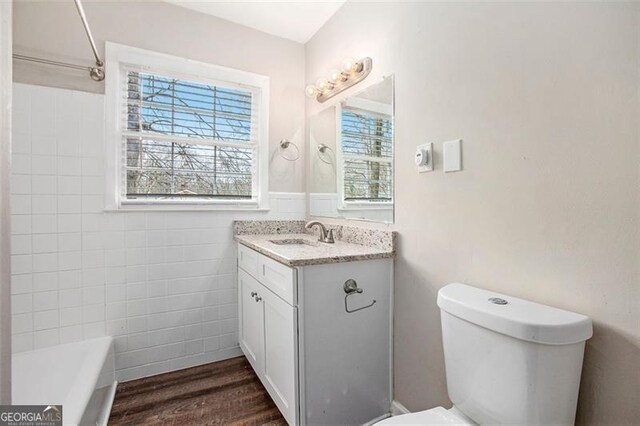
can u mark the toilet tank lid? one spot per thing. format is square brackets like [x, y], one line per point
[517, 318]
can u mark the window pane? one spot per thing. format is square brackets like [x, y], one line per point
[160, 169]
[366, 136]
[168, 106]
[172, 169]
[367, 180]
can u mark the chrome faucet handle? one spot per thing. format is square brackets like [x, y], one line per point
[329, 238]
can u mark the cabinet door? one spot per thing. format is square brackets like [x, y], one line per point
[280, 358]
[251, 313]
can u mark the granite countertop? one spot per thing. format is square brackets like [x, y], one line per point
[312, 252]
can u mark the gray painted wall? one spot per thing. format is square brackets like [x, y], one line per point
[545, 97]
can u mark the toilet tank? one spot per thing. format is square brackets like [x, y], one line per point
[511, 361]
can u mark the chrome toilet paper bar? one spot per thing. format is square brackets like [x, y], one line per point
[351, 287]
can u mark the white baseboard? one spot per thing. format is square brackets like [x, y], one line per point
[376, 420]
[397, 408]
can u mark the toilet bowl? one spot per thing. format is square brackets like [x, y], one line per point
[507, 361]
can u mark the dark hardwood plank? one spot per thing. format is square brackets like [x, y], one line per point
[221, 393]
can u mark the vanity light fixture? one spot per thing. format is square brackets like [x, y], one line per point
[351, 73]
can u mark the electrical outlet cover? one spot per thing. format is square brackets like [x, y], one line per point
[452, 156]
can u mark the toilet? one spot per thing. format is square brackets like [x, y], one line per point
[507, 360]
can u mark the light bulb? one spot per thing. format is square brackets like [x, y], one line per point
[311, 91]
[322, 84]
[348, 65]
[337, 76]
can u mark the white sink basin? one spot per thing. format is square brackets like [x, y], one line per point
[295, 242]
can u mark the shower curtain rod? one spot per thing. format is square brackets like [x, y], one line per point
[96, 73]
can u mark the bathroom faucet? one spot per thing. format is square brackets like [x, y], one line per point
[325, 236]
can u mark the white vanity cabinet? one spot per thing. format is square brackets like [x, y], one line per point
[269, 334]
[320, 363]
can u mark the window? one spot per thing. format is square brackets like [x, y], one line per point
[185, 132]
[366, 151]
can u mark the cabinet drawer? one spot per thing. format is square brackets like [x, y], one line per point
[278, 278]
[248, 260]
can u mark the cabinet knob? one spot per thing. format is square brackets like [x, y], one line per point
[258, 298]
[254, 294]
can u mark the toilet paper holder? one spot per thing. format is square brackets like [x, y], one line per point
[351, 288]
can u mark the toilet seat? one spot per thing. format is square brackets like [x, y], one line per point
[434, 416]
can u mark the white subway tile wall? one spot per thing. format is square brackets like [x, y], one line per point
[162, 283]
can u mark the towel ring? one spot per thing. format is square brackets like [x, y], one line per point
[284, 145]
[322, 148]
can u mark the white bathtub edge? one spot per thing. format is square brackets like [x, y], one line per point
[69, 375]
[83, 390]
[106, 411]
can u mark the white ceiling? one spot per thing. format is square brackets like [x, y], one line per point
[294, 20]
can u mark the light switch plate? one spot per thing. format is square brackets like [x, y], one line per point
[452, 156]
[428, 149]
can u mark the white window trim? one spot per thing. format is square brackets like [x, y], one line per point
[344, 205]
[118, 54]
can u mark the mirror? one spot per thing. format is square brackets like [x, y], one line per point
[351, 157]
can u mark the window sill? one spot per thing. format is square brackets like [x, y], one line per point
[186, 207]
[361, 207]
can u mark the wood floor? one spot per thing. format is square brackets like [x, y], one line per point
[221, 393]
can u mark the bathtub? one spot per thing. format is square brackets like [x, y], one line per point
[80, 376]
